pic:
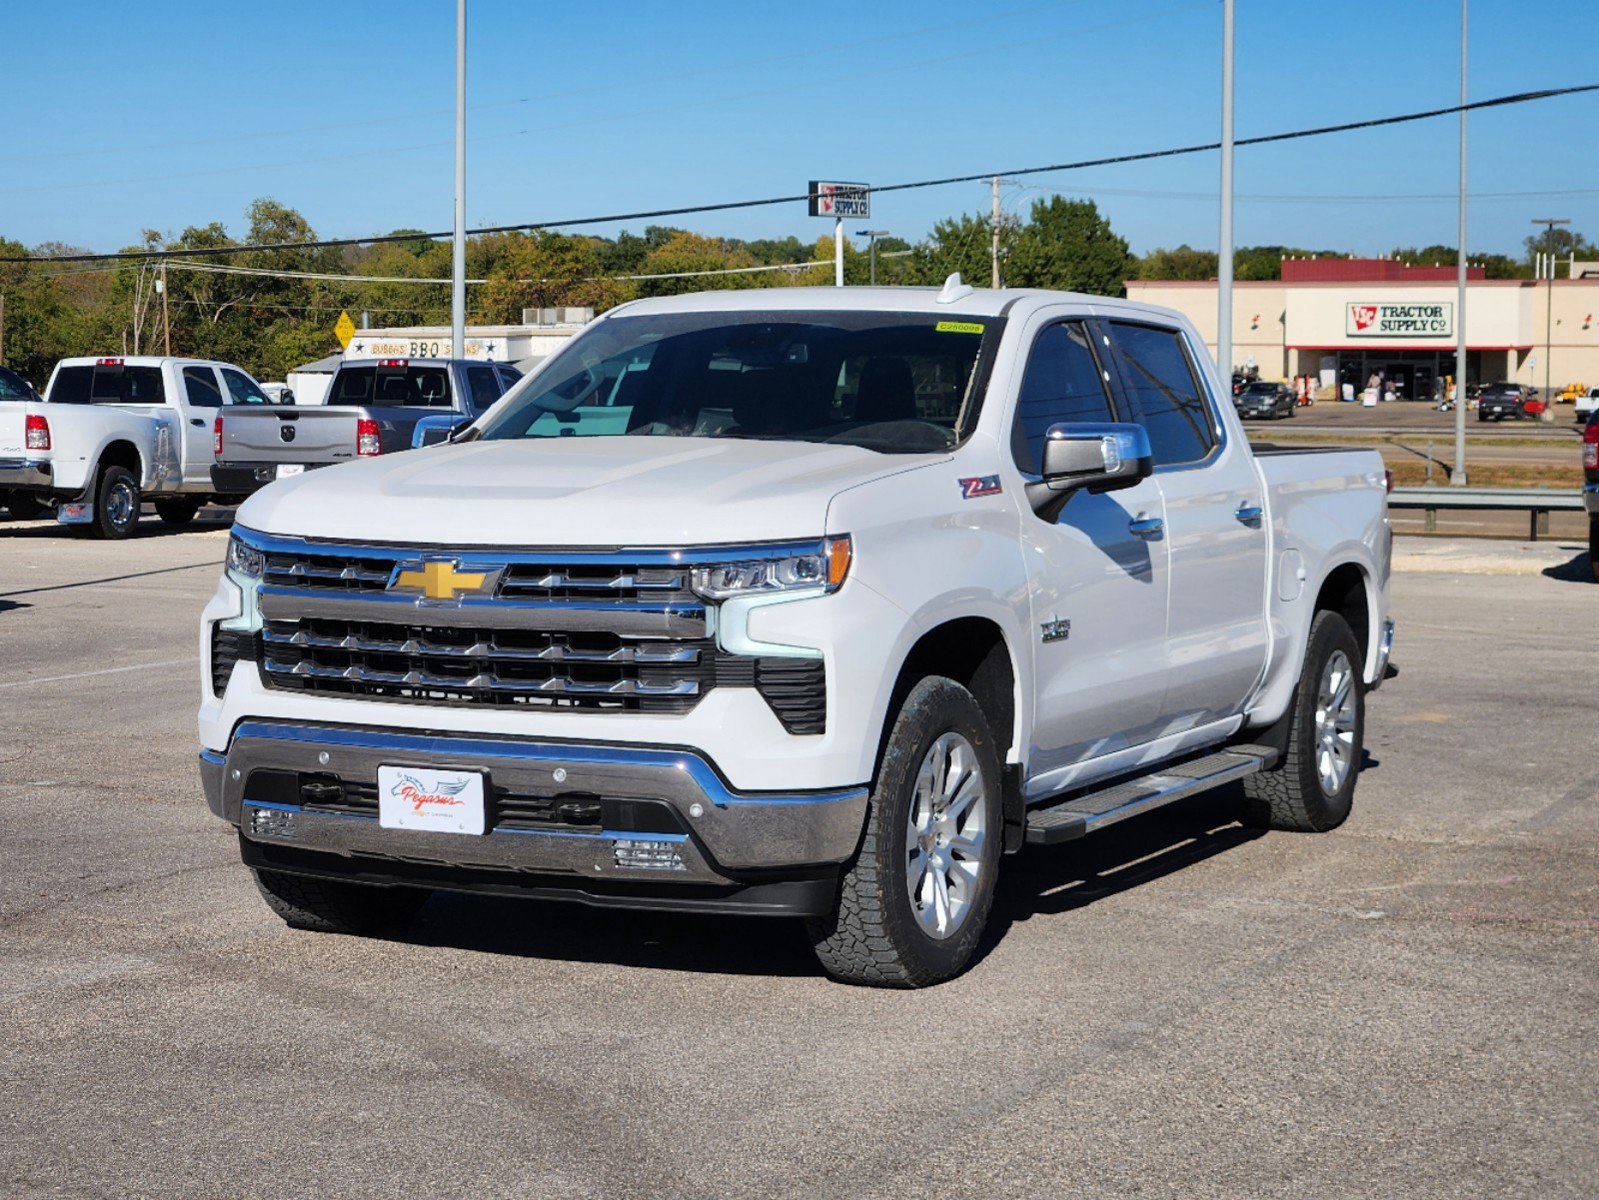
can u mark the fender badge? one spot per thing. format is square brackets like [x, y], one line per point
[1057, 630]
[980, 485]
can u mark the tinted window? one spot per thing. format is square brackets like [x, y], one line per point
[242, 389]
[108, 385]
[406, 387]
[1062, 385]
[201, 387]
[483, 387]
[13, 386]
[1155, 371]
[509, 376]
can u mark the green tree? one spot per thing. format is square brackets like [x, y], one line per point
[693, 252]
[963, 244]
[1560, 240]
[1068, 246]
[1183, 263]
[547, 270]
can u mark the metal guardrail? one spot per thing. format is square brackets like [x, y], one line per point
[1537, 503]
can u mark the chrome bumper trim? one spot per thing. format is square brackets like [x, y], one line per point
[26, 473]
[735, 830]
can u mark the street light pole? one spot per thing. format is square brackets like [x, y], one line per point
[1458, 475]
[871, 248]
[458, 263]
[1549, 224]
[1224, 260]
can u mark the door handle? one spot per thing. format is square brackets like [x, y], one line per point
[1249, 514]
[200, 421]
[1147, 527]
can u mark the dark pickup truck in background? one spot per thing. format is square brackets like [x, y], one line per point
[374, 406]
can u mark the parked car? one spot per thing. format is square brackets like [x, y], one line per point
[278, 393]
[1500, 400]
[1587, 404]
[374, 406]
[831, 600]
[24, 506]
[113, 432]
[1269, 401]
[1590, 487]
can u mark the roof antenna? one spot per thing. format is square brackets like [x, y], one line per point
[954, 290]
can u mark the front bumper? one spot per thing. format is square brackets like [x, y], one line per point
[26, 473]
[671, 797]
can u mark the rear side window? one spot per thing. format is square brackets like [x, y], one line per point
[1061, 385]
[242, 389]
[483, 387]
[13, 386]
[408, 386]
[108, 385]
[200, 385]
[1157, 373]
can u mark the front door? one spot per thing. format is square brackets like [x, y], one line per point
[1215, 527]
[1098, 578]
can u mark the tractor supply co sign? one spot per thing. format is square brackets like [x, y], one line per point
[1399, 320]
[846, 201]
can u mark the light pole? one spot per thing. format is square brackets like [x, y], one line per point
[871, 248]
[1224, 260]
[1549, 224]
[458, 263]
[1458, 476]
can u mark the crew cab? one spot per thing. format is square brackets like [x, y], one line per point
[814, 603]
[112, 432]
[374, 406]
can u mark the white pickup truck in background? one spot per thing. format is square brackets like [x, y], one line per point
[113, 432]
[814, 610]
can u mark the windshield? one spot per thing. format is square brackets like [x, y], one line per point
[895, 383]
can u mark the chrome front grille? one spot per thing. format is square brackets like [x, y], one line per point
[436, 664]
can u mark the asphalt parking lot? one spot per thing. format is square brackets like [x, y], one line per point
[1404, 1007]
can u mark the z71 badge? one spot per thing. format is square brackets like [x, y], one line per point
[980, 485]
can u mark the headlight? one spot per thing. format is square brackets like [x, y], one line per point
[245, 558]
[824, 570]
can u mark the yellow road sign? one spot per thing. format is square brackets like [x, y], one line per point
[344, 329]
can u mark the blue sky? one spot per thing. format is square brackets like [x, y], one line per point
[175, 112]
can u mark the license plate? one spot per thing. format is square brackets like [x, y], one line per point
[287, 469]
[426, 799]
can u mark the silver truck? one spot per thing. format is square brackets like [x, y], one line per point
[374, 406]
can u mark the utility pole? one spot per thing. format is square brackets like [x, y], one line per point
[1549, 224]
[871, 248]
[1224, 259]
[2, 328]
[1458, 476]
[166, 320]
[993, 252]
[458, 264]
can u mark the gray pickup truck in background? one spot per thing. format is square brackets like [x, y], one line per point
[374, 406]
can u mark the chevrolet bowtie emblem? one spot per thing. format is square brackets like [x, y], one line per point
[438, 579]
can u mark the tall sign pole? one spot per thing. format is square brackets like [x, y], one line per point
[1224, 260]
[839, 200]
[1458, 476]
[458, 265]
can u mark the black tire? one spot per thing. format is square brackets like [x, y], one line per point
[1593, 547]
[176, 513]
[329, 906]
[1292, 795]
[25, 506]
[873, 936]
[116, 505]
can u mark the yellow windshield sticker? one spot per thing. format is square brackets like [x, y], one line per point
[958, 327]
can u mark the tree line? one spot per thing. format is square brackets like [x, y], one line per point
[216, 307]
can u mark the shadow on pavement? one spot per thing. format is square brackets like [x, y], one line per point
[1579, 570]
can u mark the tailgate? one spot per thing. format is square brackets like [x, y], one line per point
[13, 425]
[313, 435]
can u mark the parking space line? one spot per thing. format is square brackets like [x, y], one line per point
[173, 662]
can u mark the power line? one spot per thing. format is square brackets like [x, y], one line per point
[768, 201]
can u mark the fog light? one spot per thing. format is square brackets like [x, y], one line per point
[272, 822]
[647, 855]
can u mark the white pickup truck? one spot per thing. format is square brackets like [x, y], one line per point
[832, 600]
[112, 432]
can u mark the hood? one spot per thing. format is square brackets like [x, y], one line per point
[603, 491]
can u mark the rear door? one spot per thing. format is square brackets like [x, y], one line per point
[1098, 574]
[202, 398]
[1215, 529]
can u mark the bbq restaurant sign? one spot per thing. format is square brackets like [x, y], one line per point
[1390, 320]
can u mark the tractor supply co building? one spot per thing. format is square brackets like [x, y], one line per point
[1340, 320]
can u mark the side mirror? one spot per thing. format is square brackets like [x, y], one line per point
[1095, 458]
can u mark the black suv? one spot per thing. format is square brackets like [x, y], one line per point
[1501, 400]
[1266, 400]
